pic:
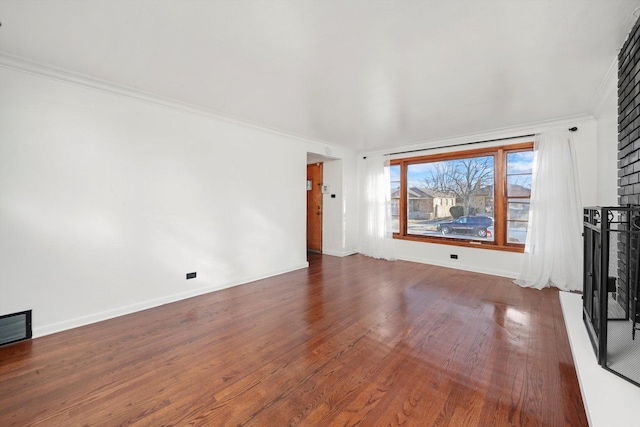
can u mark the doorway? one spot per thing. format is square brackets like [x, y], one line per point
[314, 207]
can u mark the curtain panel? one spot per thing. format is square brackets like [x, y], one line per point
[553, 249]
[376, 237]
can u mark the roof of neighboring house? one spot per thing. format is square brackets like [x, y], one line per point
[514, 190]
[422, 193]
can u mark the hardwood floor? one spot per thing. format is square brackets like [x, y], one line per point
[349, 341]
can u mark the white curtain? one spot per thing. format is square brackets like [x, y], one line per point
[376, 236]
[553, 250]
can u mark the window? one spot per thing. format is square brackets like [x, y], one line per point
[470, 198]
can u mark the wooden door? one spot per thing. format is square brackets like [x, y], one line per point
[314, 207]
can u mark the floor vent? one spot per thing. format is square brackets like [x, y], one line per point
[15, 327]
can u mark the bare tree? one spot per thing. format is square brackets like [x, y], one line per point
[462, 178]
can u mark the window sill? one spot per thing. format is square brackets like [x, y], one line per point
[462, 242]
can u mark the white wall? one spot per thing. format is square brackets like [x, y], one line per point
[501, 263]
[332, 229]
[340, 229]
[107, 201]
[606, 114]
[340, 214]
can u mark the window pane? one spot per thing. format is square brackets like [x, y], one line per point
[518, 217]
[519, 185]
[516, 232]
[452, 198]
[519, 177]
[518, 210]
[520, 163]
[394, 172]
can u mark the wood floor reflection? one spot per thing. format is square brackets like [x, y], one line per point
[348, 341]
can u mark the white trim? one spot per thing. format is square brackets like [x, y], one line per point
[607, 89]
[339, 254]
[133, 308]
[506, 132]
[25, 65]
[464, 267]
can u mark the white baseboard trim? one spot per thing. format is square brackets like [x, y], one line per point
[458, 266]
[339, 254]
[144, 305]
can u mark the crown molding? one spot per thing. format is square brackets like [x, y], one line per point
[505, 132]
[18, 63]
[608, 89]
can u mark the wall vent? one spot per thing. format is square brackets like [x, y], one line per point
[15, 327]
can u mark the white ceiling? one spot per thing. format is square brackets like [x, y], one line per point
[363, 74]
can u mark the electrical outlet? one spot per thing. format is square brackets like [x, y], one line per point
[453, 256]
[191, 275]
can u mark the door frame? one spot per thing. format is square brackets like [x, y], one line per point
[316, 186]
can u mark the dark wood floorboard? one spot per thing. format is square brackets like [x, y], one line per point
[349, 341]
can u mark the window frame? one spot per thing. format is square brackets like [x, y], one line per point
[500, 197]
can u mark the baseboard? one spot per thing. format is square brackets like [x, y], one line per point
[340, 254]
[458, 266]
[144, 305]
